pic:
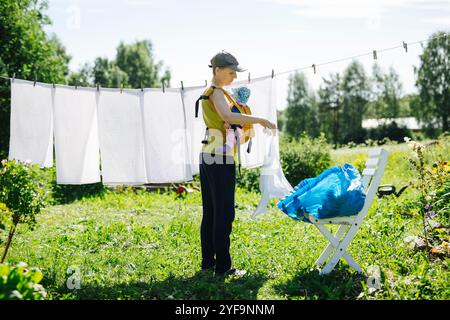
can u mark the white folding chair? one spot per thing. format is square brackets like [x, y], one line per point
[348, 226]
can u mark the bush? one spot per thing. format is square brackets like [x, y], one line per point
[21, 283]
[249, 179]
[21, 195]
[351, 145]
[439, 174]
[301, 158]
[418, 136]
[432, 182]
[304, 157]
[391, 131]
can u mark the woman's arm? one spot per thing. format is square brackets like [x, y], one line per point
[221, 105]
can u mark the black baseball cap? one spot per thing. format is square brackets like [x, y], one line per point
[225, 59]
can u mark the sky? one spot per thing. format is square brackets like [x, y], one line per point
[282, 35]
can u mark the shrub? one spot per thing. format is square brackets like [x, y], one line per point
[249, 179]
[439, 198]
[392, 131]
[351, 145]
[300, 158]
[5, 216]
[20, 283]
[304, 157]
[21, 195]
[432, 182]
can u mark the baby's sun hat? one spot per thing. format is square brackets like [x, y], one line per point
[241, 94]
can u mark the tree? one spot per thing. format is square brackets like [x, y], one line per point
[133, 67]
[356, 92]
[137, 61]
[83, 78]
[28, 52]
[281, 119]
[330, 97]
[301, 111]
[387, 91]
[433, 82]
[108, 74]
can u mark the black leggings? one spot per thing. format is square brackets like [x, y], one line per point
[218, 182]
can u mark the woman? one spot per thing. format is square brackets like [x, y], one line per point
[218, 171]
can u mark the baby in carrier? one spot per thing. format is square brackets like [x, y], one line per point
[234, 131]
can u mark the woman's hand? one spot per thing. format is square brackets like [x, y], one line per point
[267, 124]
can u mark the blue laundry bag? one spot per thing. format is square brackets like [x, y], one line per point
[336, 192]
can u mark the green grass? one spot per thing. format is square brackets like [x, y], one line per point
[146, 245]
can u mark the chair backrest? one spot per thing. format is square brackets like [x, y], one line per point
[372, 175]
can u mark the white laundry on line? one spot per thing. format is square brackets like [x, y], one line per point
[195, 126]
[121, 137]
[262, 104]
[166, 151]
[31, 124]
[76, 135]
[157, 141]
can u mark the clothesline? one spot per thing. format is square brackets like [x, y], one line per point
[404, 45]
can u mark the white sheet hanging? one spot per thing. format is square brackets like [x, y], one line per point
[121, 137]
[76, 135]
[272, 182]
[166, 149]
[31, 134]
[195, 126]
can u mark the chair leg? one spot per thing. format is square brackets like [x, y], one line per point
[339, 246]
[341, 251]
[329, 249]
[352, 263]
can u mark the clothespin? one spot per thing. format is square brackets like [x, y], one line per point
[34, 83]
[273, 73]
[182, 87]
[249, 77]
[375, 54]
[206, 83]
[54, 86]
[121, 87]
[142, 89]
[163, 89]
[98, 87]
[314, 67]
[14, 76]
[405, 46]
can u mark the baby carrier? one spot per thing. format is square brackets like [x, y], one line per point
[247, 129]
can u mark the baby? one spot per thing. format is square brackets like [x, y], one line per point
[241, 95]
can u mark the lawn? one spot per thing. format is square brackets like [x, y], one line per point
[137, 244]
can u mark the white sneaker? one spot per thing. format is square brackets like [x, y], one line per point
[232, 272]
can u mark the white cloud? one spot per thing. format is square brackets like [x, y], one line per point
[440, 21]
[357, 9]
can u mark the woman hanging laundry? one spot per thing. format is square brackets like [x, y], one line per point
[217, 167]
